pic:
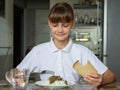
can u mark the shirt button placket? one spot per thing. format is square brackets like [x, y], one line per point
[60, 63]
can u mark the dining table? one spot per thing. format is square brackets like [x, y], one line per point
[4, 85]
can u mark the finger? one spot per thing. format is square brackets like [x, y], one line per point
[92, 80]
[94, 75]
[95, 84]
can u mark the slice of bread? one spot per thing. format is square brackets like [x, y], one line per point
[84, 70]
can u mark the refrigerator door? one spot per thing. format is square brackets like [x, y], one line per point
[112, 36]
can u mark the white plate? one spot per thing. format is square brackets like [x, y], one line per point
[43, 83]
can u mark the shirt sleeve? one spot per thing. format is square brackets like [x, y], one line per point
[97, 64]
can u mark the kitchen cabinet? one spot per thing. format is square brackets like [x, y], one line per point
[88, 26]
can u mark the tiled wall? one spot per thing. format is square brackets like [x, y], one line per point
[42, 32]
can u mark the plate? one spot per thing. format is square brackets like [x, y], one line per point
[50, 86]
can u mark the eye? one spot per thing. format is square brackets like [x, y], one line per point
[54, 24]
[66, 24]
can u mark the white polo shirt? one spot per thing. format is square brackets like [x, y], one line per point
[47, 57]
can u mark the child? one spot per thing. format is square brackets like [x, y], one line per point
[61, 53]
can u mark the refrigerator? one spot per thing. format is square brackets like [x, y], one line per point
[111, 44]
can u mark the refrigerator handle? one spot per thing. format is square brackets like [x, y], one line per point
[105, 34]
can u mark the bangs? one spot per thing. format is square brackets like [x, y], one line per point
[61, 14]
[59, 17]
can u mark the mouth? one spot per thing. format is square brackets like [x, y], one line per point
[60, 34]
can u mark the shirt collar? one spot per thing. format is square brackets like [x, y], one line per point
[55, 49]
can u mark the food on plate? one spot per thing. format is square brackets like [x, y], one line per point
[58, 79]
[55, 81]
[84, 70]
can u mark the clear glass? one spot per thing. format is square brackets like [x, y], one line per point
[18, 78]
[118, 86]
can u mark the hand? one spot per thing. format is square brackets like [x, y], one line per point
[94, 79]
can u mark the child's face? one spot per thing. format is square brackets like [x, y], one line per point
[60, 31]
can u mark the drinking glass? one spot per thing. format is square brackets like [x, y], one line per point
[18, 78]
[117, 85]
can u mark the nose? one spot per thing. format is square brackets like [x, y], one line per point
[60, 28]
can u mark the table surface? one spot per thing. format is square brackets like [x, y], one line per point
[4, 85]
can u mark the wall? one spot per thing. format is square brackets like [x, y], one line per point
[42, 33]
[29, 29]
[36, 29]
[71, 2]
[6, 39]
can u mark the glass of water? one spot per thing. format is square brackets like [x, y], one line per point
[18, 78]
[117, 85]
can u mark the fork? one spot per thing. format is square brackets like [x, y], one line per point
[47, 72]
[44, 71]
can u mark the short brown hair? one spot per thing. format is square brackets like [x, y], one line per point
[61, 12]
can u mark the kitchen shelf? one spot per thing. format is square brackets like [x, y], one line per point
[86, 24]
[89, 6]
[87, 16]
